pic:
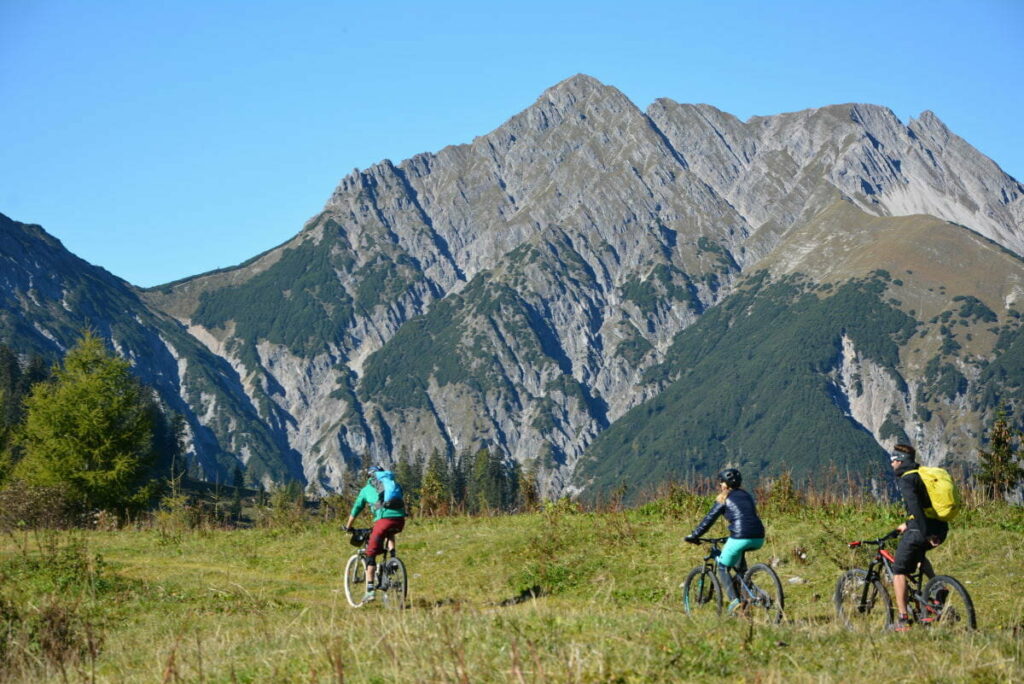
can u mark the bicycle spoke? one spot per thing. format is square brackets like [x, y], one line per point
[355, 580]
[862, 605]
[396, 581]
[766, 597]
[701, 592]
[947, 606]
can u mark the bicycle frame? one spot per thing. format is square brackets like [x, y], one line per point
[880, 568]
[385, 575]
[711, 563]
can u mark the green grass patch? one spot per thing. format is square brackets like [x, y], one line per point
[558, 595]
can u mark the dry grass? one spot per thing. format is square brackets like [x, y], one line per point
[265, 604]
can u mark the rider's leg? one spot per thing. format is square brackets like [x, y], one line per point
[726, 579]
[374, 547]
[371, 571]
[899, 588]
[732, 556]
[909, 554]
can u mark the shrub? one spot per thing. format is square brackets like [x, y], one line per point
[29, 507]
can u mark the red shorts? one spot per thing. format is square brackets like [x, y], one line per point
[385, 528]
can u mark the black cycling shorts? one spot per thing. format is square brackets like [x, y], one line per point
[910, 552]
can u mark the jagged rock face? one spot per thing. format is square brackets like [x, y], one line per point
[49, 296]
[777, 170]
[515, 291]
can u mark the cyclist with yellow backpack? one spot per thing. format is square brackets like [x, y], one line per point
[931, 500]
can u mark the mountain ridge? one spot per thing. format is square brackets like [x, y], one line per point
[514, 291]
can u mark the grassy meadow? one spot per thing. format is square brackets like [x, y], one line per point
[554, 596]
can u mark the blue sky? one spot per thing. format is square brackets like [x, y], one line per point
[164, 139]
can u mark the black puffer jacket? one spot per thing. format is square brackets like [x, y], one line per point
[916, 499]
[741, 513]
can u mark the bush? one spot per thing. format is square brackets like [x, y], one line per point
[30, 507]
[44, 605]
[40, 638]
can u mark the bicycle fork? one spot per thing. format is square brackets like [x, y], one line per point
[867, 598]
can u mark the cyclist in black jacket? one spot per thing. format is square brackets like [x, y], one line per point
[746, 531]
[920, 533]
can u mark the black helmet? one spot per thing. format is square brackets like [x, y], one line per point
[359, 537]
[731, 477]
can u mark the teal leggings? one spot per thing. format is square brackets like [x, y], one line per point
[732, 553]
[734, 549]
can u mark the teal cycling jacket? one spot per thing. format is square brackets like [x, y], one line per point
[369, 496]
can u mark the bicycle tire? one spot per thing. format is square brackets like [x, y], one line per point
[355, 580]
[856, 610]
[702, 592]
[953, 610]
[768, 603]
[396, 584]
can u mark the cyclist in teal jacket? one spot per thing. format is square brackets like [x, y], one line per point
[384, 497]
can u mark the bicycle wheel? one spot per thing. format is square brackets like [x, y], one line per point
[355, 580]
[948, 606]
[395, 583]
[702, 592]
[860, 605]
[766, 599]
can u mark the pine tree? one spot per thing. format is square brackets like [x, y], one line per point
[528, 489]
[409, 473]
[237, 482]
[10, 385]
[479, 492]
[435, 492]
[36, 370]
[504, 476]
[15, 384]
[90, 431]
[6, 462]
[1000, 469]
[491, 482]
[460, 480]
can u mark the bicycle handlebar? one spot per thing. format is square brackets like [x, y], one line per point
[713, 540]
[876, 542]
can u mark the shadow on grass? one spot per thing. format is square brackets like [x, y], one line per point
[525, 595]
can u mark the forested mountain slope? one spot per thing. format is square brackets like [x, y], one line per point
[530, 289]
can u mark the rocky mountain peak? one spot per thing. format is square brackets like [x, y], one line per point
[516, 290]
[579, 86]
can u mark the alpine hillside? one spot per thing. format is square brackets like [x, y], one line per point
[625, 295]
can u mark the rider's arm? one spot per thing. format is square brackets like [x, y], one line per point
[708, 520]
[360, 502]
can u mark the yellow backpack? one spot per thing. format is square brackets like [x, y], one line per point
[942, 491]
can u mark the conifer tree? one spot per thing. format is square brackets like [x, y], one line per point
[481, 490]
[1000, 469]
[15, 383]
[10, 384]
[237, 482]
[528, 486]
[492, 483]
[460, 480]
[409, 473]
[435, 492]
[90, 431]
[5, 431]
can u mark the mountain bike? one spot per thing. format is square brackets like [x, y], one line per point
[758, 588]
[390, 581]
[863, 603]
